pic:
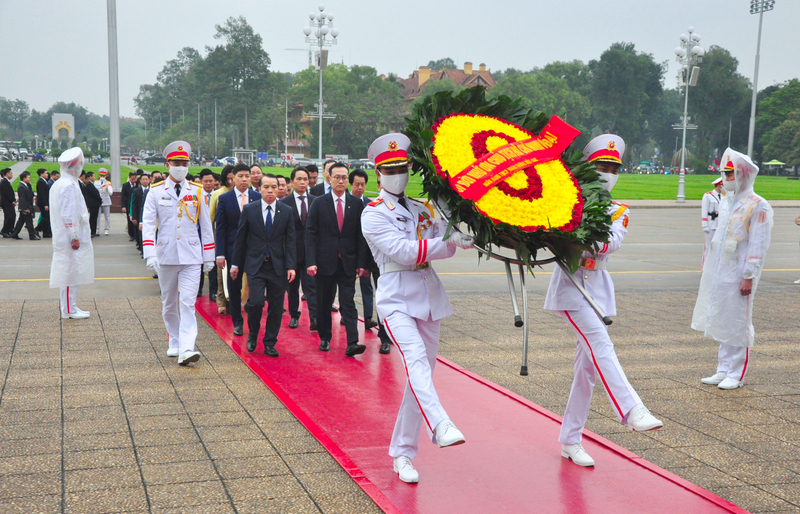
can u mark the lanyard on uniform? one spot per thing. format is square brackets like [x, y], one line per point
[183, 206]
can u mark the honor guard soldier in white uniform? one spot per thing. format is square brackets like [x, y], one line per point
[710, 212]
[731, 272]
[184, 243]
[404, 235]
[596, 357]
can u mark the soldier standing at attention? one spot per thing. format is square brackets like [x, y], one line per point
[710, 213]
[184, 244]
[595, 356]
[404, 235]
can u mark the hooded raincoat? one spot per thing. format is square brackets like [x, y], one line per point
[737, 253]
[69, 219]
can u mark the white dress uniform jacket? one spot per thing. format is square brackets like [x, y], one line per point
[711, 203]
[562, 295]
[407, 237]
[185, 235]
[737, 252]
[105, 189]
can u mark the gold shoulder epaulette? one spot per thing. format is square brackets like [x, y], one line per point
[157, 183]
[619, 212]
[620, 204]
[195, 183]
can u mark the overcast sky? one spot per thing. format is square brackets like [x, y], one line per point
[57, 51]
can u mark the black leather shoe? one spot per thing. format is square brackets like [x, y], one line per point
[324, 346]
[293, 323]
[252, 342]
[130, 239]
[354, 349]
[15, 236]
[303, 298]
[341, 321]
[35, 237]
[386, 346]
[238, 331]
[312, 325]
[270, 351]
[334, 308]
[5, 234]
[370, 323]
[213, 298]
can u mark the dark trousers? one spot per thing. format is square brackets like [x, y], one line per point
[326, 290]
[309, 289]
[93, 213]
[212, 282]
[44, 224]
[27, 220]
[369, 306]
[9, 217]
[235, 297]
[131, 227]
[270, 286]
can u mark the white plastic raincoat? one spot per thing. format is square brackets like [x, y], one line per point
[69, 220]
[737, 252]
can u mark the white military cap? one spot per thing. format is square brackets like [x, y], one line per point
[389, 150]
[718, 181]
[605, 148]
[177, 150]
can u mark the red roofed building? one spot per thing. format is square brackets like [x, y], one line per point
[468, 77]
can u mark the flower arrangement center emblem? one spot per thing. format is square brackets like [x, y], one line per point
[508, 175]
[512, 175]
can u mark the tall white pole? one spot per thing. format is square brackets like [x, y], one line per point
[215, 127]
[113, 91]
[286, 129]
[682, 180]
[320, 110]
[752, 132]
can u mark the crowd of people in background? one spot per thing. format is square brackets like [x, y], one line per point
[318, 238]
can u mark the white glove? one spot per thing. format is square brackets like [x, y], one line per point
[460, 240]
[152, 264]
[208, 266]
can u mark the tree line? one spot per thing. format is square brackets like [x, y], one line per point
[230, 86]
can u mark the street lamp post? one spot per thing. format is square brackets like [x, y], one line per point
[689, 55]
[756, 7]
[320, 25]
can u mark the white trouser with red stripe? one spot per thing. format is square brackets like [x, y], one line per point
[179, 282]
[595, 358]
[69, 299]
[733, 361]
[418, 342]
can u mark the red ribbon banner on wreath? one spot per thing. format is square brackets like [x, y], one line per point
[494, 167]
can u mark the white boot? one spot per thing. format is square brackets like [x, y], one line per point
[714, 379]
[187, 357]
[577, 454]
[730, 383]
[405, 470]
[640, 419]
[172, 352]
[447, 434]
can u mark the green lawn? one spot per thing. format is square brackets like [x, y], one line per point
[665, 187]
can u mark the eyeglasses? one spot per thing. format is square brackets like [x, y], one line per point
[339, 178]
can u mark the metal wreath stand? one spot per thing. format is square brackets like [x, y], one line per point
[522, 321]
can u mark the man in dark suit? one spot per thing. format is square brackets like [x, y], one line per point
[43, 202]
[93, 200]
[125, 202]
[9, 200]
[265, 249]
[358, 184]
[323, 187]
[138, 197]
[229, 208]
[300, 201]
[26, 209]
[335, 254]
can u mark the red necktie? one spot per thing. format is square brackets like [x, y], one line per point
[339, 213]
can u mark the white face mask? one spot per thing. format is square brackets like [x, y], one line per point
[178, 173]
[610, 180]
[729, 185]
[395, 184]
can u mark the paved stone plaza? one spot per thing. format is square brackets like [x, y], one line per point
[94, 417]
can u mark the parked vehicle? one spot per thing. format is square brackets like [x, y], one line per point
[155, 159]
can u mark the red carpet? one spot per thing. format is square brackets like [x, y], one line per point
[510, 463]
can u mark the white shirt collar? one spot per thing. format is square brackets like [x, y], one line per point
[337, 197]
[297, 195]
[265, 204]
